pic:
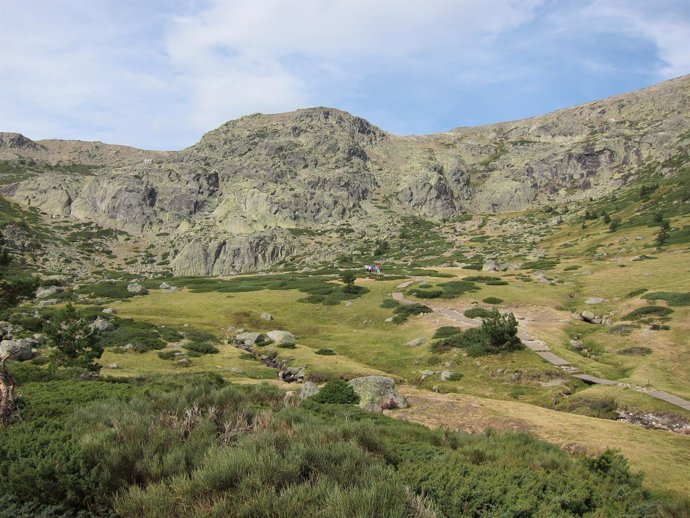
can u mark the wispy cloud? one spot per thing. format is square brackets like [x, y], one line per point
[158, 73]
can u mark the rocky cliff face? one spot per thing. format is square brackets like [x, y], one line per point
[230, 201]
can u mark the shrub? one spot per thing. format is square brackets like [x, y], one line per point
[167, 355]
[390, 304]
[492, 300]
[446, 331]
[477, 313]
[142, 335]
[74, 343]
[498, 333]
[615, 224]
[673, 299]
[648, 311]
[325, 351]
[337, 392]
[404, 311]
[201, 348]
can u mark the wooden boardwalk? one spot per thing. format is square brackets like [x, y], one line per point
[540, 348]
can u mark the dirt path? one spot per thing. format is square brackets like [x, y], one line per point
[542, 349]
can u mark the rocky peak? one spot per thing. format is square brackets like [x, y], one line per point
[16, 141]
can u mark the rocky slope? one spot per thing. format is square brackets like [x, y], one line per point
[240, 199]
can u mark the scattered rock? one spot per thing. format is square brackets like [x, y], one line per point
[416, 342]
[490, 266]
[109, 311]
[348, 303]
[48, 302]
[112, 366]
[292, 374]
[377, 393]
[266, 316]
[309, 389]
[388, 320]
[594, 300]
[445, 375]
[282, 338]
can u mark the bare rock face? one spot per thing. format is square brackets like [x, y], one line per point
[238, 200]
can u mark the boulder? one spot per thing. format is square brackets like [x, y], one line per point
[588, 316]
[249, 338]
[136, 288]
[377, 393]
[445, 375]
[282, 337]
[47, 302]
[594, 300]
[266, 316]
[416, 342]
[101, 325]
[19, 349]
[490, 266]
[51, 291]
[309, 389]
[109, 311]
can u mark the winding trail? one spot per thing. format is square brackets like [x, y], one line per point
[541, 348]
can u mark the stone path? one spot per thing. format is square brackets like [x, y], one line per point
[542, 349]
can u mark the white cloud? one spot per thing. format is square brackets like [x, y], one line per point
[268, 56]
[665, 24]
[160, 73]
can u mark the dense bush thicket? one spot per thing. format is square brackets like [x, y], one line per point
[498, 333]
[197, 446]
[337, 392]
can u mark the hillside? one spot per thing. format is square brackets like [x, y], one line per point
[316, 184]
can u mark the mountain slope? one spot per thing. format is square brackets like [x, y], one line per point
[240, 199]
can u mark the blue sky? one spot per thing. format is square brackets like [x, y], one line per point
[159, 73]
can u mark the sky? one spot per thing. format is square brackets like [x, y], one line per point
[158, 74]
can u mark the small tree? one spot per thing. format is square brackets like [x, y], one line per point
[74, 341]
[606, 217]
[349, 278]
[662, 236]
[615, 224]
[500, 331]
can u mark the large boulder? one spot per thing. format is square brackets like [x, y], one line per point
[101, 325]
[377, 393]
[136, 288]
[19, 349]
[249, 338]
[309, 389]
[282, 338]
[51, 291]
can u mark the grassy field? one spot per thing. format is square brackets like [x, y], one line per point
[662, 456]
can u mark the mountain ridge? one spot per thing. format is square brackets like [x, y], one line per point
[235, 200]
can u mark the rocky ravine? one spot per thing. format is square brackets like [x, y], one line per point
[237, 200]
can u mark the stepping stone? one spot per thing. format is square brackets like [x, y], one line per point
[552, 358]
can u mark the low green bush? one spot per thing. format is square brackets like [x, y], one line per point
[325, 351]
[201, 347]
[337, 392]
[404, 311]
[492, 300]
[477, 313]
[673, 299]
[648, 311]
